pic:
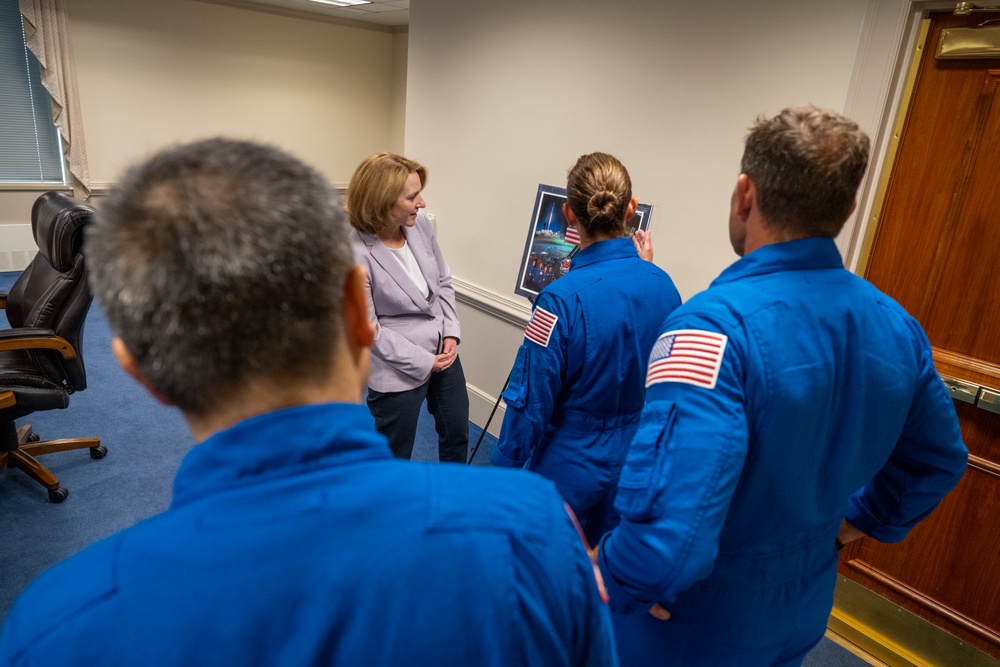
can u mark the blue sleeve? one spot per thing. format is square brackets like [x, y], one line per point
[926, 463]
[677, 483]
[536, 380]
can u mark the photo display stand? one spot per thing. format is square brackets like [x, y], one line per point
[552, 243]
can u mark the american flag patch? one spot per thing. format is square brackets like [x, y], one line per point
[571, 235]
[540, 326]
[689, 356]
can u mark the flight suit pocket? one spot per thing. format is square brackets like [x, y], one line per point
[644, 476]
[516, 393]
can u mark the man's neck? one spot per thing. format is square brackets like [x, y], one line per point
[344, 383]
[761, 233]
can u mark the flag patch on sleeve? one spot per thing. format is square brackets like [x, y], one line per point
[540, 326]
[689, 356]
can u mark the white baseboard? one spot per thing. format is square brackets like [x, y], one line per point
[498, 321]
[481, 405]
[17, 247]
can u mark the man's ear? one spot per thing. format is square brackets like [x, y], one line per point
[358, 328]
[746, 196]
[131, 366]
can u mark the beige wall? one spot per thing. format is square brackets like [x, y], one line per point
[496, 99]
[397, 111]
[504, 96]
[155, 73]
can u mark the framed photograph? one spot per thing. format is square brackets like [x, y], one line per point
[552, 243]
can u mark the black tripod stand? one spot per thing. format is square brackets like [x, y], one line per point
[486, 427]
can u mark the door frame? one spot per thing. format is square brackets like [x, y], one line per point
[875, 94]
[879, 91]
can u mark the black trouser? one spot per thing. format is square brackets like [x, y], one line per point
[396, 414]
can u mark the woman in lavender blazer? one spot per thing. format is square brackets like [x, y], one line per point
[410, 297]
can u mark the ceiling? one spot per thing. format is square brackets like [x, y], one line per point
[378, 14]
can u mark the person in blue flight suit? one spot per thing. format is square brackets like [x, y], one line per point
[790, 408]
[294, 536]
[576, 389]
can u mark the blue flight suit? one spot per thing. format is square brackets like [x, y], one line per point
[576, 390]
[533, 272]
[788, 396]
[295, 538]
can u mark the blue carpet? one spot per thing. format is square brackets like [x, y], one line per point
[830, 654]
[146, 442]
[425, 446]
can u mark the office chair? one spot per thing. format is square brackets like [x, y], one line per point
[41, 360]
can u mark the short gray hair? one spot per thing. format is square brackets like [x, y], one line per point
[806, 164]
[220, 263]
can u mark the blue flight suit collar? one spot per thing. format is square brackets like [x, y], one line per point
[817, 252]
[620, 248]
[279, 444]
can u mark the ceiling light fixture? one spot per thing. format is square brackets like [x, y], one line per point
[343, 3]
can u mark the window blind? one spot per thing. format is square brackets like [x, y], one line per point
[30, 150]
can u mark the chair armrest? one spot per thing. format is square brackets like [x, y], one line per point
[29, 338]
[3, 299]
[7, 399]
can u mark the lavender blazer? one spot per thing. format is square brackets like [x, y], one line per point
[410, 328]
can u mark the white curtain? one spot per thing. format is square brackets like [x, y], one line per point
[46, 31]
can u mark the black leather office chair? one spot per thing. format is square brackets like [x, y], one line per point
[41, 360]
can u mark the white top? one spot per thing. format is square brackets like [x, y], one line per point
[409, 263]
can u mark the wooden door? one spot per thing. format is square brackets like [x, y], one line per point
[937, 251]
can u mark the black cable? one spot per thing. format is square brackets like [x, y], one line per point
[492, 412]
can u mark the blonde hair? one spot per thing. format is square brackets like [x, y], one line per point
[599, 191]
[374, 188]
